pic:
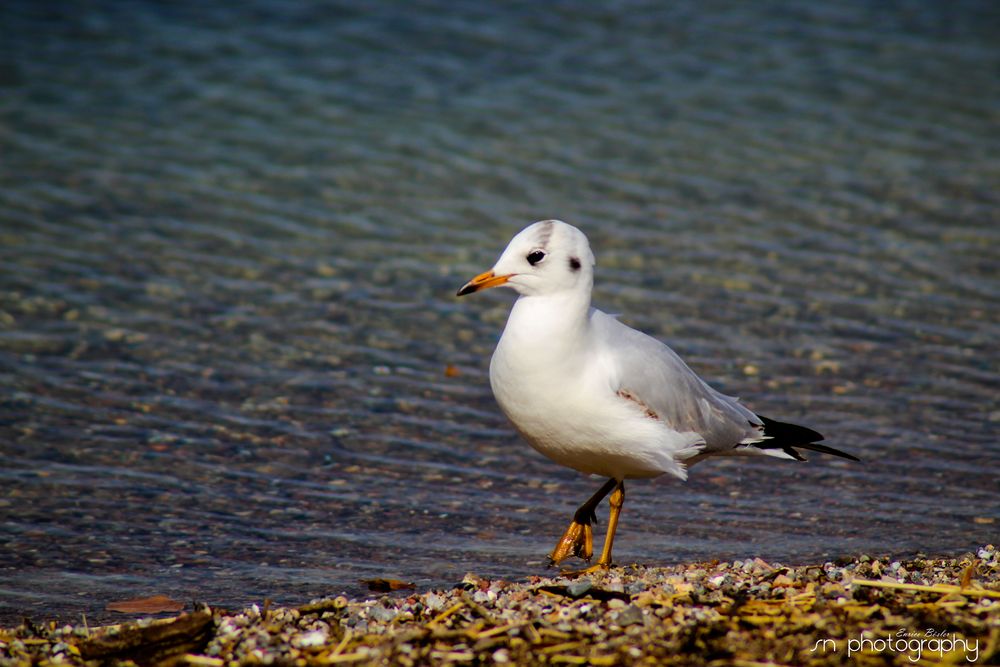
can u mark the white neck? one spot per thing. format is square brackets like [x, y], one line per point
[548, 324]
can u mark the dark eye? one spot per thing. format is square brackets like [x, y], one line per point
[535, 256]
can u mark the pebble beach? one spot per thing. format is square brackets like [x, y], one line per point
[864, 610]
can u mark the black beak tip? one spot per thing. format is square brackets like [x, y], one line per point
[466, 289]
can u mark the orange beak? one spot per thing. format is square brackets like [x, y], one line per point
[483, 281]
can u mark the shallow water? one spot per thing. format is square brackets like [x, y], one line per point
[232, 363]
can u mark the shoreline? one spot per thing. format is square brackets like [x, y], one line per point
[859, 611]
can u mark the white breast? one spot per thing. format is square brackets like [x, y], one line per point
[562, 397]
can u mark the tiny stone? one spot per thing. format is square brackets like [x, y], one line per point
[718, 580]
[382, 614]
[631, 615]
[308, 639]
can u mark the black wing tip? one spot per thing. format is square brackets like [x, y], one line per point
[787, 437]
[823, 449]
[783, 433]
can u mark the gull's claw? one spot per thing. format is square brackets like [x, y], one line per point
[596, 567]
[578, 540]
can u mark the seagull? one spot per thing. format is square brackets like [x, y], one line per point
[595, 395]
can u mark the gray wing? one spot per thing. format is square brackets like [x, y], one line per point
[653, 375]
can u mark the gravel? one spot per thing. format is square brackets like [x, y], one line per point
[864, 610]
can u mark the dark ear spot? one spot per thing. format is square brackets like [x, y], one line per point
[574, 263]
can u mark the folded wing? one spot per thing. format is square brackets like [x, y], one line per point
[653, 375]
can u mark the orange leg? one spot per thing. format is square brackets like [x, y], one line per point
[578, 540]
[604, 562]
[617, 501]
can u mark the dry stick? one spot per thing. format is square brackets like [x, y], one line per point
[478, 608]
[445, 614]
[937, 588]
[343, 643]
[500, 629]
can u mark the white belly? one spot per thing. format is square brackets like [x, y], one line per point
[581, 423]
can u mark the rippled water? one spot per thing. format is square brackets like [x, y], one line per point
[230, 240]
